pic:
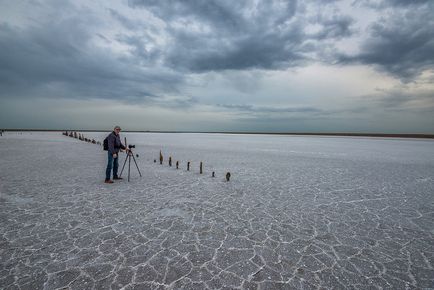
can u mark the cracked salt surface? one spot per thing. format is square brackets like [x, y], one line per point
[298, 213]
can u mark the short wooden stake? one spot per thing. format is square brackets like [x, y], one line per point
[170, 161]
[188, 166]
[201, 167]
[161, 158]
[177, 164]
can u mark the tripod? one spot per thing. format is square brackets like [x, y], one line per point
[129, 155]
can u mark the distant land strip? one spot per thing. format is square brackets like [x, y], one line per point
[382, 135]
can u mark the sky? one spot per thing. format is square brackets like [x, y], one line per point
[364, 66]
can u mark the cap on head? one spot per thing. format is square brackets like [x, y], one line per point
[117, 128]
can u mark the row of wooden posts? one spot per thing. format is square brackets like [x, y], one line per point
[228, 174]
[93, 141]
[80, 137]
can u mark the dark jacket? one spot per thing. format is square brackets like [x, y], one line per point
[114, 143]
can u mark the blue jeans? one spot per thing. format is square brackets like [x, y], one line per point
[112, 163]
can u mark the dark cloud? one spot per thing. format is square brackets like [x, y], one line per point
[159, 53]
[58, 55]
[221, 15]
[391, 3]
[334, 27]
[259, 109]
[406, 2]
[58, 58]
[400, 43]
[265, 52]
[228, 35]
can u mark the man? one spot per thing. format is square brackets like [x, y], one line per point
[114, 146]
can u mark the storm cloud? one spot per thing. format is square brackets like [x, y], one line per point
[401, 42]
[220, 35]
[265, 61]
[58, 57]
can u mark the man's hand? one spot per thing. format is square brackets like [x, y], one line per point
[115, 155]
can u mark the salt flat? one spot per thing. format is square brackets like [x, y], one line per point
[298, 213]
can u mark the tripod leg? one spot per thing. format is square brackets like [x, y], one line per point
[129, 167]
[137, 166]
[123, 165]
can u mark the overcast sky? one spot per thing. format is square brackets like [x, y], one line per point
[245, 65]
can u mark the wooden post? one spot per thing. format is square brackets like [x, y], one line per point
[177, 164]
[188, 166]
[228, 176]
[170, 161]
[161, 158]
[201, 167]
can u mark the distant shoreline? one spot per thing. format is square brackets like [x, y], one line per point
[382, 135]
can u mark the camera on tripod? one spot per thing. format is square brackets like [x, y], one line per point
[128, 158]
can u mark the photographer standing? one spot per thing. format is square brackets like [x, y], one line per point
[114, 146]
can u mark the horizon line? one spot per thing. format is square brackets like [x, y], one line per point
[349, 134]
